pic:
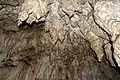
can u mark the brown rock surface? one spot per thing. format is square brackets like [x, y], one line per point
[58, 40]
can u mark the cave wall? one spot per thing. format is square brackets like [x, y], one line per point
[59, 40]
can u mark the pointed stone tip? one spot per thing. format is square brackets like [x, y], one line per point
[99, 60]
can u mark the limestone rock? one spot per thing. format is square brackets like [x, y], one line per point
[107, 15]
[32, 10]
[59, 40]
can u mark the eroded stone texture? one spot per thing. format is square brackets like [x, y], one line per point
[67, 60]
[32, 10]
[8, 15]
[58, 40]
[107, 16]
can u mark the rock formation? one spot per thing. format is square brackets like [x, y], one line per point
[59, 40]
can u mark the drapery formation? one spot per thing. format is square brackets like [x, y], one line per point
[100, 24]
